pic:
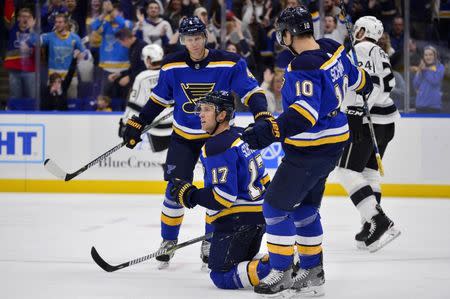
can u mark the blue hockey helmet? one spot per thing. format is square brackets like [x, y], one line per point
[222, 100]
[192, 26]
[296, 20]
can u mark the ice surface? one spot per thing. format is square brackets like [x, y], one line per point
[45, 242]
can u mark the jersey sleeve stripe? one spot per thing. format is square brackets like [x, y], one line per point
[327, 64]
[303, 112]
[159, 100]
[358, 81]
[265, 179]
[363, 80]
[248, 95]
[225, 195]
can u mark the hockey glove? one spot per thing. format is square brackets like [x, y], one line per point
[262, 133]
[133, 131]
[121, 128]
[367, 88]
[355, 116]
[181, 192]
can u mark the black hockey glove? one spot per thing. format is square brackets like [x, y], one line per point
[355, 116]
[262, 133]
[181, 192]
[133, 131]
[121, 128]
[368, 86]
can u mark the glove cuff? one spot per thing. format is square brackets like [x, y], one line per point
[263, 115]
[184, 193]
[135, 123]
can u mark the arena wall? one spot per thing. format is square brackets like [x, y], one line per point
[417, 163]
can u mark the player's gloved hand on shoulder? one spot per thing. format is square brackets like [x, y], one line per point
[181, 192]
[368, 86]
[355, 116]
[262, 133]
[133, 131]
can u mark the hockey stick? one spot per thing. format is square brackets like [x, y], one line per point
[57, 171]
[110, 268]
[365, 104]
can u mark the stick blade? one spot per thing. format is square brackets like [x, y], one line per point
[101, 262]
[54, 169]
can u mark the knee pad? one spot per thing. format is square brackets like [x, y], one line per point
[224, 280]
[373, 177]
[350, 180]
[305, 215]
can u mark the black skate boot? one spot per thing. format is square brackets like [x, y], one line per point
[276, 284]
[362, 236]
[165, 258]
[204, 254]
[381, 231]
[309, 282]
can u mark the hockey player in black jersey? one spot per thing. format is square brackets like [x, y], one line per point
[357, 169]
[185, 77]
[235, 181]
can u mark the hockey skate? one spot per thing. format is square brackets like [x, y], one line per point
[204, 255]
[309, 282]
[163, 260]
[362, 236]
[382, 231]
[276, 284]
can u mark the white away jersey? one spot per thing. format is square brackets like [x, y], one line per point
[376, 62]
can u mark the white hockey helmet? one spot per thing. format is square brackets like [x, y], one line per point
[373, 28]
[154, 52]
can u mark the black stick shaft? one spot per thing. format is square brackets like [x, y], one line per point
[110, 268]
[105, 155]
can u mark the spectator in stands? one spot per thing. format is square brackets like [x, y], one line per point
[385, 43]
[19, 60]
[202, 14]
[330, 29]
[128, 40]
[428, 82]
[61, 46]
[103, 103]
[153, 29]
[77, 16]
[272, 84]
[54, 96]
[49, 13]
[113, 56]
[397, 34]
[95, 37]
[174, 13]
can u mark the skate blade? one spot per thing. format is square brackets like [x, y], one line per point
[313, 291]
[163, 265]
[285, 294]
[361, 245]
[389, 236]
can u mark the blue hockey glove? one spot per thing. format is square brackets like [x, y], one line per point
[262, 133]
[133, 131]
[355, 116]
[368, 86]
[181, 192]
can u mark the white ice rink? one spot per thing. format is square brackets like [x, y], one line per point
[45, 242]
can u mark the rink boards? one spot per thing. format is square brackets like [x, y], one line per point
[417, 162]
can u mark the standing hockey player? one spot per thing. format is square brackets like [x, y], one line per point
[235, 180]
[357, 169]
[313, 132]
[185, 77]
[158, 137]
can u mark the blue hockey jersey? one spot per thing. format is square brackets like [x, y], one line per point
[314, 86]
[182, 82]
[236, 176]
